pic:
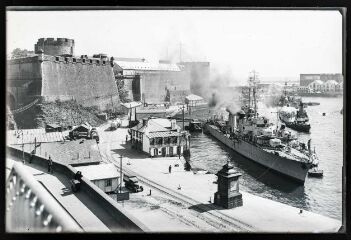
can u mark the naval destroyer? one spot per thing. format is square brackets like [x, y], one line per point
[254, 137]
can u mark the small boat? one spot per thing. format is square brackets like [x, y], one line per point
[195, 126]
[315, 172]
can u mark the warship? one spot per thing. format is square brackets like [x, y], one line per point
[258, 140]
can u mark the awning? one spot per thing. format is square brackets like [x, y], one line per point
[163, 134]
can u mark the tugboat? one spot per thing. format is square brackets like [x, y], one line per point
[195, 126]
[293, 119]
[258, 140]
[315, 172]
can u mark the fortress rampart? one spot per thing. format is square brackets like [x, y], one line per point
[89, 81]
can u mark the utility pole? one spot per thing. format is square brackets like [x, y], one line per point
[22, 148]
[183, 117]
[120, 169]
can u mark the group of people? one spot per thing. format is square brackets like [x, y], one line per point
[50, 163]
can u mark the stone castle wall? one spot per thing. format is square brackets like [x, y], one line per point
[90, 82]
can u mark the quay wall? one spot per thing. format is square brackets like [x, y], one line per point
[123, 219]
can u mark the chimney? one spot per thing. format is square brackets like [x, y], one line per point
[173, 123]
[145, 120]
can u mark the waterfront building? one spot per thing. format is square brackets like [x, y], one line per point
[304, 89]
[306, 79]
[316, 86]
[105, 176]
[159, 137]
[330, 86]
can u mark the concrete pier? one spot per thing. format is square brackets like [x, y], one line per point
[262, 215]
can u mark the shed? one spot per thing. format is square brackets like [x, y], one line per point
[52, 127]
[105, 176]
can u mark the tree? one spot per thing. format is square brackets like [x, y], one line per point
[19, 53]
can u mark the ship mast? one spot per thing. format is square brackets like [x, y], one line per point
[253, 84]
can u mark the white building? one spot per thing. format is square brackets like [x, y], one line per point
[316, 86]
[340, 87]
[330, 86]
[159, 137]
[105, 176]
[304, 89]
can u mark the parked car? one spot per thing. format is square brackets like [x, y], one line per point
[131, 182]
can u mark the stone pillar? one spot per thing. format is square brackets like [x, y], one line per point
[228, 195]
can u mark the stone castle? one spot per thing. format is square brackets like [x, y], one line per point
[55, 73]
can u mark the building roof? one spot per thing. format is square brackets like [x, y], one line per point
[155, 125]
[77, 152]
[146, 66]
[164, 134]
[131, 104]
[317, 82]
[331, 82]
[53, 125]
[99, 171]
[193, 97]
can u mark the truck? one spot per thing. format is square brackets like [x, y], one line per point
[115, 124]
[132, 183]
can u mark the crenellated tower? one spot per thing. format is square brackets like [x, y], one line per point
[55, 46]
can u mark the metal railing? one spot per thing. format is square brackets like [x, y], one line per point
[29, 207]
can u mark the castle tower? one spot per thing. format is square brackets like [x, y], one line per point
[55, 47]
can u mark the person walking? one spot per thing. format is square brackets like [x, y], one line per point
[31, 156]
[50, 165]
[170, 169]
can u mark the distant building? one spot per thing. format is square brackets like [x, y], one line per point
[199, 73]
[105, 176]
[152, 83]
[159, 137]
[316, 86]
[306, 79]
[304, 89]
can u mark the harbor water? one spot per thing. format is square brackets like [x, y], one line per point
[319, 195]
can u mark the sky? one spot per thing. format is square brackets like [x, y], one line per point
[275, 43]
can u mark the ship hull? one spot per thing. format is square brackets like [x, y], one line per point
[291, 169]
[297, 127]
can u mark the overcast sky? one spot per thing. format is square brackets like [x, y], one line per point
[274, 43]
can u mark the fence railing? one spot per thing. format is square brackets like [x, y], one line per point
[29, 207]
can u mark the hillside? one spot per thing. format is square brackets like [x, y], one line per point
[63, 113]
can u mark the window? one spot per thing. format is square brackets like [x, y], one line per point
[152, 141]
[159, 141]
[108, 183]
[174, 140]
[167, 140]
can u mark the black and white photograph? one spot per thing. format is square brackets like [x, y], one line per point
[175, 120]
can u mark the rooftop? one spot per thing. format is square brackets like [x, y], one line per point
[69, 152]
[99, 171]
[132, 65]
[193, 97]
